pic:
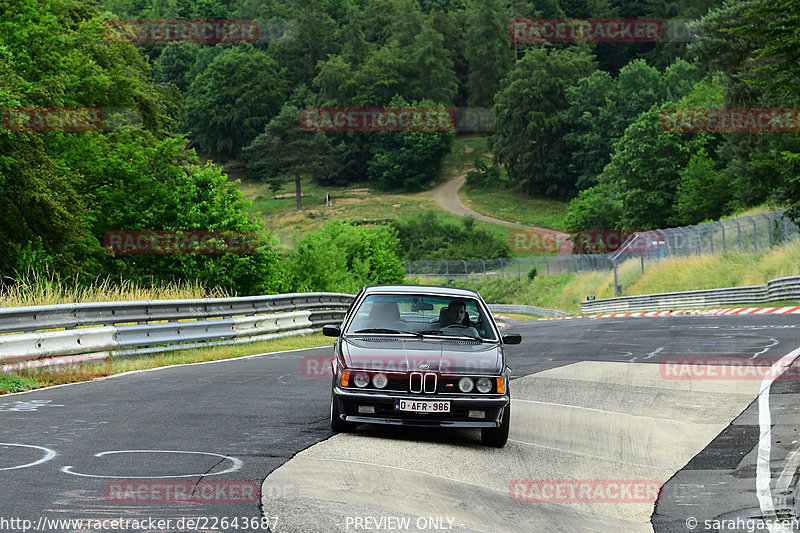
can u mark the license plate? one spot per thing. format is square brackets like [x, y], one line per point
[422, 406]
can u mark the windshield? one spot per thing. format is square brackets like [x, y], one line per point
[419, 314]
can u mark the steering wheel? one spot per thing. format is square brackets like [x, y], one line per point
[462, 326]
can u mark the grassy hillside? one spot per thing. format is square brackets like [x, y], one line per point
[361, 202]
[566, 291]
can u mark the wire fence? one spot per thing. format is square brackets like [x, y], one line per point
[746, 234]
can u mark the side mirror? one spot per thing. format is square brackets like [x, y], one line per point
[512, 338]
[331, 331]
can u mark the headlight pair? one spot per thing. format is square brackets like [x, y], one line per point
[362, 379]
[483, 385]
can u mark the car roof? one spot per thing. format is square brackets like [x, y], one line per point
[436, 290]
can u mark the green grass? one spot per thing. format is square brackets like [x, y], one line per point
[32, 379]
[362, 203]
[516, 206]
[462, 155]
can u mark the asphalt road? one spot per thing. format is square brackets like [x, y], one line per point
[83, 451]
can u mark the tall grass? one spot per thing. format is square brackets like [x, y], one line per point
[566, 291]
[38, 289]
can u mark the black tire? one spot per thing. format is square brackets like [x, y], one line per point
[497, 437]
[337, 424]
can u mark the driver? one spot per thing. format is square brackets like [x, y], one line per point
[457, 312]
[456, 315]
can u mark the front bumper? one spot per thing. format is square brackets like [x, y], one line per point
[350, 400]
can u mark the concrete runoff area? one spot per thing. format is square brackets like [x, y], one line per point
[582, 421]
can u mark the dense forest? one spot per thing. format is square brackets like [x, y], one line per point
[578, 121]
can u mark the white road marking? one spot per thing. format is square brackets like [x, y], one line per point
[48, 454]
[763, 474]
[237, 464]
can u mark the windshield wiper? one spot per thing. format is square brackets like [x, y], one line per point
[387, 330]
[443, 334]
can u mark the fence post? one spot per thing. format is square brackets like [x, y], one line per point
[519, 269]
[769, 229]
[711, 230]
[755, 233]
[739, 232]
[722, 227]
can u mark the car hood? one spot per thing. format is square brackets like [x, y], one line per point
[446, 356]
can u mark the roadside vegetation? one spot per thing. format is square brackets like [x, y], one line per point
[23, 380]
[565, 291]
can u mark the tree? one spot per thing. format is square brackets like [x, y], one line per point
[600, 108]
[589, 138]
[487, 50]
[408, 159]
[174, 63]
[233, 99]
[597, 207]
[286, 151]
[528, 135]
[645, 168]
[435, 78]
[703, 192]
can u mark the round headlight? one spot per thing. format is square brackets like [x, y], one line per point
[465, 384]
[361, 379]
[380, 380]
[484, 384]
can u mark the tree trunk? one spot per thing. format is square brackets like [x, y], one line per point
[297, 193]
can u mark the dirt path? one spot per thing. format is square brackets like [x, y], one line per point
[446, 195]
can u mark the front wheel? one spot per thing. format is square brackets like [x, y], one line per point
[497, 437]
[337, 424]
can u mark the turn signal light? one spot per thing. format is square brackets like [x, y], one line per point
[500, 388]
[345, 378]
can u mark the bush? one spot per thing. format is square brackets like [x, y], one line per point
[532, 273]
[429, 237]
[342, 257]
[485, 176]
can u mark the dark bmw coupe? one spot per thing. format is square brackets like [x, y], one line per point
[421, 356]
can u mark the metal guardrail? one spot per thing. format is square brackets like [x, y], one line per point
[525, 310]
[775, 290]
[64, 334]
